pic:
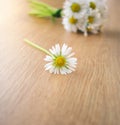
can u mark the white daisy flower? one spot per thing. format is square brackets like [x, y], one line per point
[71, 23]
[62, 61]
[76, 8]
[94, 22]
[99, 5]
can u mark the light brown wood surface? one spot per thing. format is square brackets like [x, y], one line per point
[31, 96]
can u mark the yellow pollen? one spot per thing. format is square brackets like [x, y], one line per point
[92, 5]
[75, 7]
[72, 20]
[60, 61]
[91, 19]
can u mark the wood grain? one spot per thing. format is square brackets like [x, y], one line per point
[31, 96]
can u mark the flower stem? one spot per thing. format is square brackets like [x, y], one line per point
[40, 9]
[38, 47]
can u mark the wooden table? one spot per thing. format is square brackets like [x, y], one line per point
[31, 96]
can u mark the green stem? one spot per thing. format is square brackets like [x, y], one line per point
[41, 9]
[38, 47]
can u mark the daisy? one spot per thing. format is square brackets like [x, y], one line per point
[97, 4]
[60, 60]
[94, 21]
[100, 5]
[74, 7]
[71, 23]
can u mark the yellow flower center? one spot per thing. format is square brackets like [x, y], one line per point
[75, 7]
[60, 61]
[92, 5]
[91, 19]
[89, 29]
[72, 20]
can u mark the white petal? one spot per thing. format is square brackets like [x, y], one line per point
[64, 47]
[48, 65]
[57, 47]
[72, 59]
[70, 55]
[48, 58]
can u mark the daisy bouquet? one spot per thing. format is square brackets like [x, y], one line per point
[77, 15]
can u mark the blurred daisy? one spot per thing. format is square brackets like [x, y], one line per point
[99, 5]
[60, 60]
[78, 15]
[74, 7]
[96, 4]
[94, 22]
[71, 24]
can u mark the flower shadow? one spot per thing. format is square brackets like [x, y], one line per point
[112, 34]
